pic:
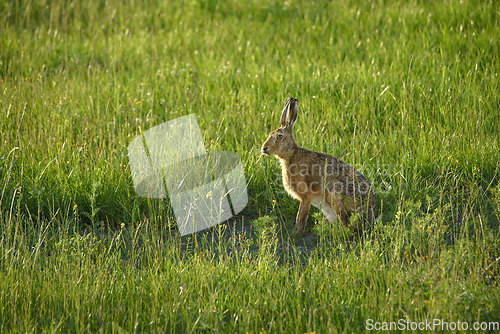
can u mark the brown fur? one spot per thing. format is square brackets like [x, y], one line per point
[318, 179]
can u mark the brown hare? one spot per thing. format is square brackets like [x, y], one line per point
[328, 183]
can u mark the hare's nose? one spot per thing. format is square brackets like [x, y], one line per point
[265, 150]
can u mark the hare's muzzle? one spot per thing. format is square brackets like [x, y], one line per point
[265, 150]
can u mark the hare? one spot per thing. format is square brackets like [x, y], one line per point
[331, 185]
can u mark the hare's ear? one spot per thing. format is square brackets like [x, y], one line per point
[290, 113]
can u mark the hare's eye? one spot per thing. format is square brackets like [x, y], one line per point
[279, 137]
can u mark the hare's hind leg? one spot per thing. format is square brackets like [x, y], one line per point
[326, 208]
[338, 205]
[300, 221]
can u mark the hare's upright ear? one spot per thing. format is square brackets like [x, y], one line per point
[290, 113]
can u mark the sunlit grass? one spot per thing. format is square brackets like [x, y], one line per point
[406, 92]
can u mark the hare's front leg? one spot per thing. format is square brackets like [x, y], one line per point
[300, 221]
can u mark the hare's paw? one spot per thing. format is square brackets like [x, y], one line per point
[299, 228]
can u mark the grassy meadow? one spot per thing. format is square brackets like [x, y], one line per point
[408, 92]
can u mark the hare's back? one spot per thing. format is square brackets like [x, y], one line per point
[341, 177]
[334, 175]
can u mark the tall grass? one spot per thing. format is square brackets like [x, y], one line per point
[406, 92]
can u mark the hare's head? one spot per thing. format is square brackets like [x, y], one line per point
[281, 142]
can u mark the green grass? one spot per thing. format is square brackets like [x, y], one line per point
[407, 92]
